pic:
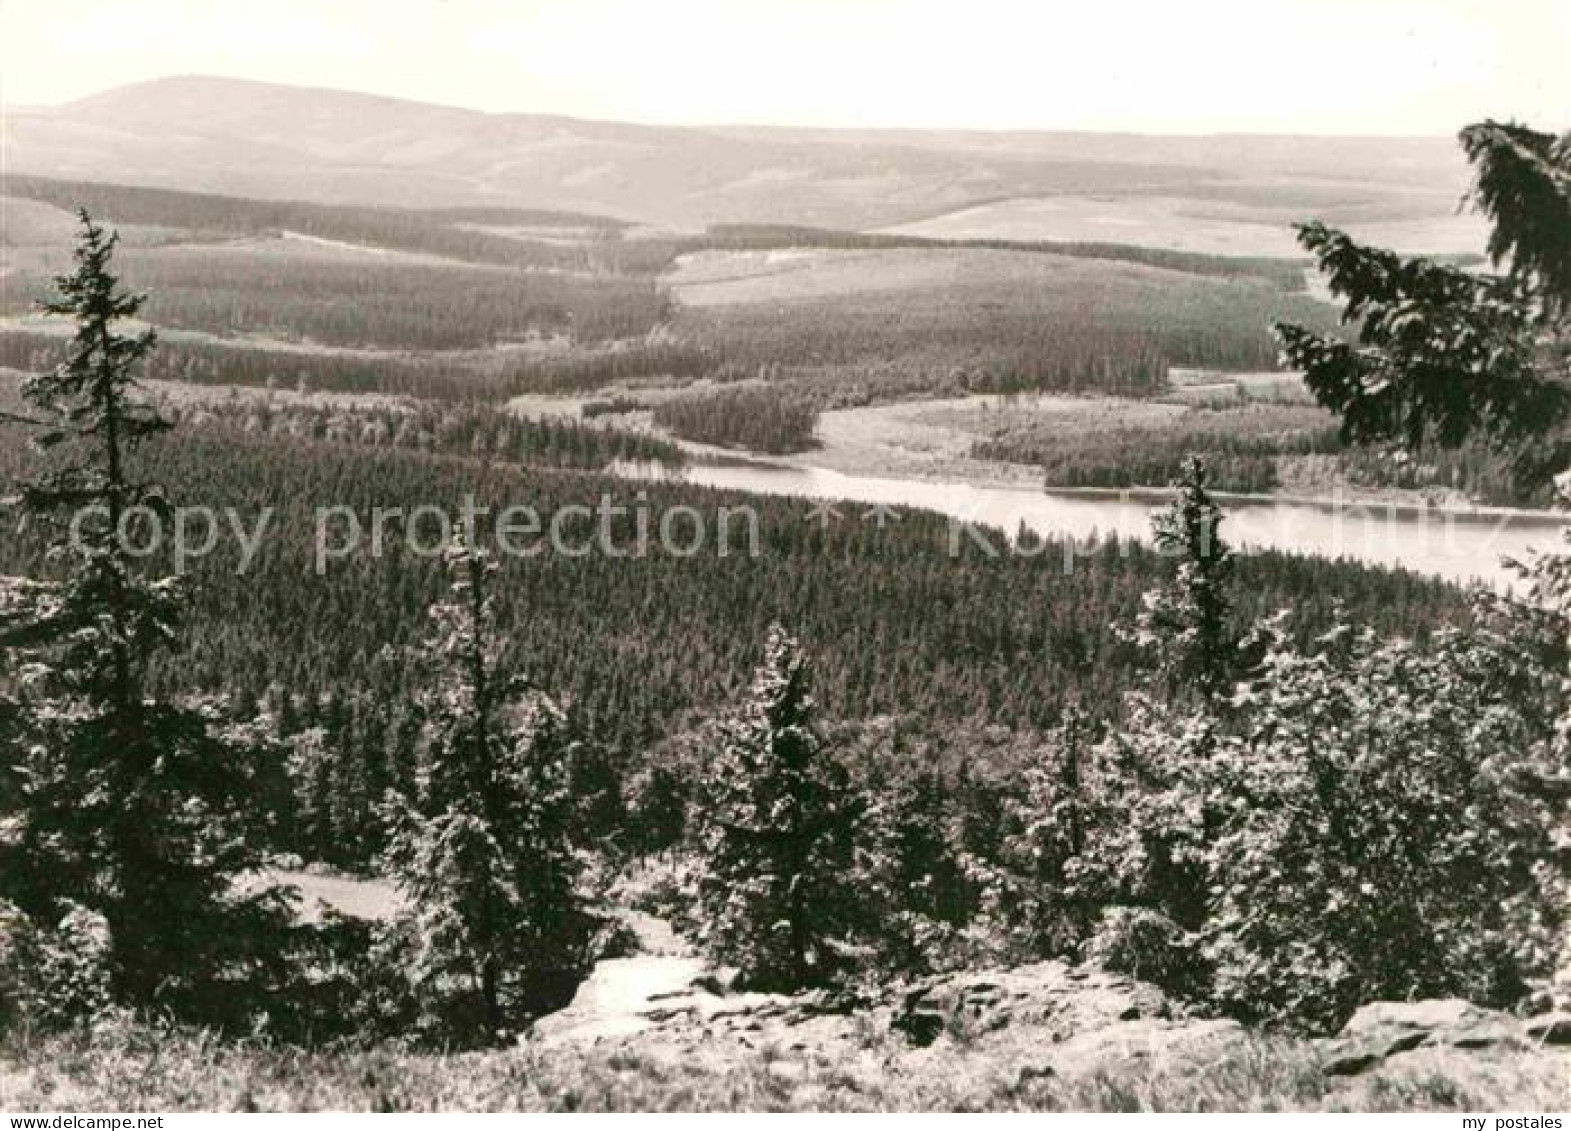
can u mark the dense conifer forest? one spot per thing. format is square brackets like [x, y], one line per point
[835, 749]
[638, 647]
[1100, 317]
[226, 293]
[502, 235]
[755, 418]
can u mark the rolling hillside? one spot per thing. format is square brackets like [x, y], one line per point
[280, 142]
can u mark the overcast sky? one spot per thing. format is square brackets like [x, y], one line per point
[1185, 66]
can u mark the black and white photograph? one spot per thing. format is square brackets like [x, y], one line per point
[810, 556]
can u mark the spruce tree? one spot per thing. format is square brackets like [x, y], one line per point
[134, 808]
[777, 834]
[1152, 854]
[1187, 622]
[1441, 354]
[482, 851]
[1045, 890]
[911, 875]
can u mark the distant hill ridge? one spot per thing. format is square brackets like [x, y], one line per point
[273, 141]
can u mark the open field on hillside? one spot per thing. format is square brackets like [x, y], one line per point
[1199, 223]
[503, 236]
[290, 290]
[30, 223]
[982, 319]
[722, 276]
[449, 304]
[1016, 440]
[547, 366]
[1061, 441]
[386, 302]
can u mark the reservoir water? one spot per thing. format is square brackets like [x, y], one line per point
[1461, 546]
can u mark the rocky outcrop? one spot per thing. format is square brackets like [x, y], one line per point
[1549, 1028]
[1065, 1000]
[1051, 1018]
[1028, 1022]
[1048, 1019]
[1384, 1029]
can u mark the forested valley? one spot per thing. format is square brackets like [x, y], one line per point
[639, 648]
[833, 752]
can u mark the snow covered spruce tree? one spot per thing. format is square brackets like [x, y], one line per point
[912, 879]
[1186, 623]
[1046, 892]
[1149, 854]
[125, 809]
[482, 852]
[778, 822]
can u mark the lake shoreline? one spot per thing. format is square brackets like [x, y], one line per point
[914, 442]
[705, 455]
[1461, 547]
[1393, 507]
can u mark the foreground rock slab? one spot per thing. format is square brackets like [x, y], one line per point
[1018, 1028]
[1384, 1029]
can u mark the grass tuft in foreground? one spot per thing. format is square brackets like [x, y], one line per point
[127, 1067]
